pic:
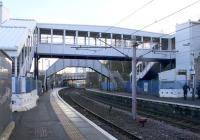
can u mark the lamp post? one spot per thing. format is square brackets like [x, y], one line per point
[134, 82]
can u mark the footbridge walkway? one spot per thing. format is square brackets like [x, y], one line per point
[26, 41]
[92, 64]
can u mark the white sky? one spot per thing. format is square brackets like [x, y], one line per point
[104, 12]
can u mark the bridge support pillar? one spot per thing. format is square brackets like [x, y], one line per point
[36, 70]
[35, 66]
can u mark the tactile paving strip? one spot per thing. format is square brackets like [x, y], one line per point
[68, 126]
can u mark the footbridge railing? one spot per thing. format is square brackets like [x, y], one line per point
[63, 63]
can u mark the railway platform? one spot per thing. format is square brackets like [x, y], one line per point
[181, 101]
[53, 119]
[177, 109]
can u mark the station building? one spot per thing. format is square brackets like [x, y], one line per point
[171, 60]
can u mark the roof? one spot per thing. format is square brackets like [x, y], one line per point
[12, 37]
[27, 23]
[14, 32]
[101, 29]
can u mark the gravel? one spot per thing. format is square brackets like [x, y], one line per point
[153, 129]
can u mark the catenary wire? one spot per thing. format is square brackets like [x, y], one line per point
[131, 14]
[155, 22]
[126, 17]
[165, 17]
[161, 19]
[176, 32]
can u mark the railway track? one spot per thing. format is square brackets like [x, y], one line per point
[178, 123]
[182, 123]
[95, 117]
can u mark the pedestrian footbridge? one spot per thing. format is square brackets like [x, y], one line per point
[75, 45]
[27, 39]
[64, 63]
[92, 42]
[104, 53]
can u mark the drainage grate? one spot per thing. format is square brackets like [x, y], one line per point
[40, 132]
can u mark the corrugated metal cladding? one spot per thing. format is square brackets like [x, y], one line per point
[14, 32]
[29, 24]
[5, 91]
[12, 38]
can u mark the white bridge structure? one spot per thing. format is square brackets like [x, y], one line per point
[95, 65]
[91, 42]
[26, 41]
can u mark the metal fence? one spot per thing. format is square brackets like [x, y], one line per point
[25, 85]
[150, 87]
[108, 86]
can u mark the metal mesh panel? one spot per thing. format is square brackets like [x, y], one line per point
[5, 91]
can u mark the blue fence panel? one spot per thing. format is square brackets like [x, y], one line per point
[153, 87]
[17, 86]
[104, 86]
[128, 87]
[28, 85]
[150, 87]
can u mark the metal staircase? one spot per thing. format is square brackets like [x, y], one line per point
[27, 63]
[117, 79]
[143, 68]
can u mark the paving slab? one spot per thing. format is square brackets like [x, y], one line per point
[40, 123]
